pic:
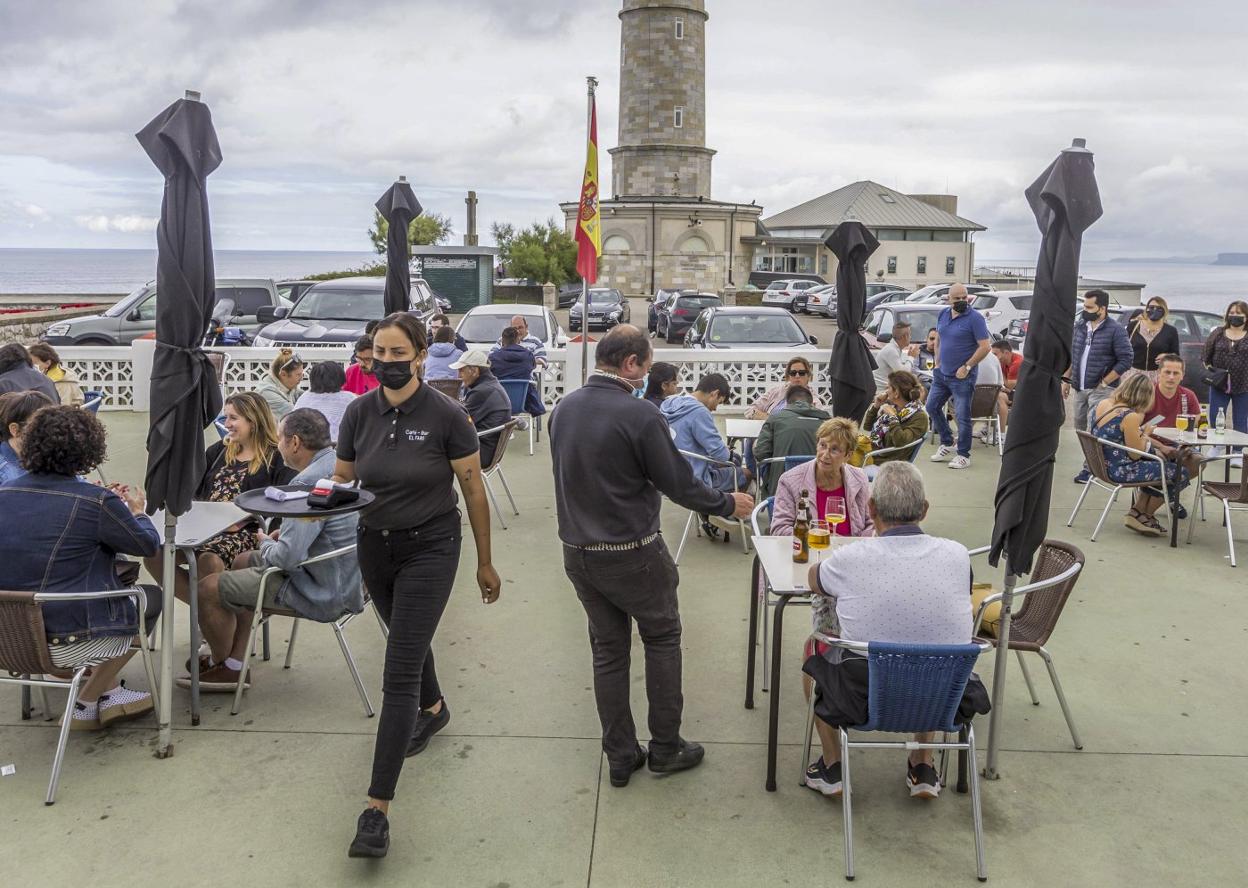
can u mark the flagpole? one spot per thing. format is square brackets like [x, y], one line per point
[592, 84]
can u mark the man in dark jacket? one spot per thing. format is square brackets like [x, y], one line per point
[788, 432]
[18, 373]
[1100, 353]
[613, 461]
[485, 399]
[514, 361]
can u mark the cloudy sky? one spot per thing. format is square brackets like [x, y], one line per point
[320, 103]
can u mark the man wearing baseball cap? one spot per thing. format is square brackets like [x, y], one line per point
[484, 398]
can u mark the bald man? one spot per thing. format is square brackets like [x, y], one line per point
[964, 342]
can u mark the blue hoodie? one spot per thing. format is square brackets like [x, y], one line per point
[441, 356]
[693, 429]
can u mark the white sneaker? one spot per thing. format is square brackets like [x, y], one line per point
[960, 462]
[942, 453]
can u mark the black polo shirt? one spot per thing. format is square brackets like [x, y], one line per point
[403, 454]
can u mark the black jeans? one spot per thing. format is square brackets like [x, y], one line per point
[613, 587]
[409, 574]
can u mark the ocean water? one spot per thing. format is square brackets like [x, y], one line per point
[120, 271]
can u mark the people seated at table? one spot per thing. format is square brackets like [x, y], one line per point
[926, 360]
[442, 354]
[661, 383]
[70, 532]
[896, 418]
[1011, 362]
[16, 409]
[1172, 399]
[789, 432]
[829, 474]
[441, 320]
[322, 592]
[484, 398]
[531, 343]
[693, 429]
[280, 386]
[48, 362]
[901, 586]
[18, 373]
[798, 371]
[1119, 419]
[513, 360]
[360, 378]
[897, 354]
[325, 382]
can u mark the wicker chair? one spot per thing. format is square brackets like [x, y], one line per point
[1094, 456]
[448, 387]
[1233, 496]
[984, 409]
[24, 654]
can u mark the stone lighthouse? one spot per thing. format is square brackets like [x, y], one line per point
[660, 226]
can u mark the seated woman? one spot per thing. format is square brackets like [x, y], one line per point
[69, 533]
[247, 459]
[442, 354]
[897, 418]
[15, 409]
[1119, 419]
[327, 396]
[828, 474]
[48, 362]
[280, 388]
[798, 371]
[661, 383]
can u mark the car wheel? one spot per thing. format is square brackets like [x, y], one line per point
[94, 341]
[672, 340]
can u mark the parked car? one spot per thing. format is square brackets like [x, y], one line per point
[134, 316]
[336, 312]
[1000, 308]
[886, 297]
[681, 311]
[876, 287]
[292, 290]
[738, 326]
[657, 304]
[1016, 332]
[821, 300]
[937, 293]
[483, 324]
[568, 295]
[789, 293]
[443, 304]
[607, 307]
[878, 328]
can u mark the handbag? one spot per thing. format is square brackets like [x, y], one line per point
[1217, 378]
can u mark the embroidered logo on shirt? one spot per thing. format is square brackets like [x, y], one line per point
[418, 435]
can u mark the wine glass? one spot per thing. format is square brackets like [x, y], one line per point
[1180, 422]
[818, 537]
[834, 511]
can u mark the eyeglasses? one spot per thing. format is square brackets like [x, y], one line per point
[799, 373]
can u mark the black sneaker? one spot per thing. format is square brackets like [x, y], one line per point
[372, 835]
[825, 779]
[688, 756]
[620, 775]
[1083, 477]
[923, 781]
[427, 724]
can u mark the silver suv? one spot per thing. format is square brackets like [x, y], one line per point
[135, 316]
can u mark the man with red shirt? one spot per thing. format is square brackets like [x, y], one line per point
[1170, 397]
[1011, 363]
[360, 378]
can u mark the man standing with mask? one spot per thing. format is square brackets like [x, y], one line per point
[613, 460]
[1100, 353]
[964, 342]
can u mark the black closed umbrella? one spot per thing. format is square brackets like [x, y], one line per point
[1066, 202]
[851, 367]
[185, 393]
[399, 206]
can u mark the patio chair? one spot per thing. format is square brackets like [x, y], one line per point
[1040, 603]
[261, 616]
[782, 464]
[495, 467]
[25, 657]
[872, 468]
[219, 361]
[93, 400]
[448, 387]
[725, 523]
[518, 392]
[1094, 457]
[984, 409]
[912, 689]
[1232, 494]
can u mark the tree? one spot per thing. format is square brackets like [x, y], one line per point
[542, 252]
[430, 228]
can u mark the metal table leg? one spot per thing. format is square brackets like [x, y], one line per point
[192, 597]
[751, 645]
[773, 722]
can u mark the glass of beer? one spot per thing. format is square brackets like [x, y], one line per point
[1180, 422]
[834, 512]
[818, 537]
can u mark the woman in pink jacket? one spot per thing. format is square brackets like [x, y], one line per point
[828, 474]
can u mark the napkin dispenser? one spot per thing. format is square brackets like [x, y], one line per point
[328, 495]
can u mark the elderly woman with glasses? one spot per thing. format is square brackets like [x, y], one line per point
[798, 371]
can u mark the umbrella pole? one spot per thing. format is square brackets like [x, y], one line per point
[584, 331]
[164, 748]
[998, 677]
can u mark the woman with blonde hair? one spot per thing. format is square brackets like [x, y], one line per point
[798, 371]
[896, 418]
[1119, 419]
[66, 381]
[280, 389]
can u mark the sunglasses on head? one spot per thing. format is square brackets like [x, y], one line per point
[295, 361]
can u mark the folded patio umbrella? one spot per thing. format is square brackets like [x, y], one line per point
[851, 367]
[1066, 202]
[185, 393]
[399, 206]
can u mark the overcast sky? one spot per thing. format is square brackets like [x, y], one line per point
[320, 104]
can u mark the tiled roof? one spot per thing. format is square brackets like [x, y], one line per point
[872, 204]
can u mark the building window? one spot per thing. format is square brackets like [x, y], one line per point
[950, 264]
[921, 266]
[890, 234]
[680, 116]
[680, 29]
[616, 243]
[823, 264]
[892, 264]
[695, 244]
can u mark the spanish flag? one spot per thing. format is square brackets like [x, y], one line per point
[589, 221]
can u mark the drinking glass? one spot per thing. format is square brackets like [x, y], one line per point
[1180, 422]
[818, 537]
[834, 512]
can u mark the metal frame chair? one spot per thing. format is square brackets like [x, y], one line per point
[914, 447]
[92, 400]
[693, 516]
[261, 615]
[792, 461]
[495, 467]
[517, 392]
[913, 689]
[1095, 458]
[994, 420]
[24, 654]
[1053, 579]
[448, 387]
[1232, 494]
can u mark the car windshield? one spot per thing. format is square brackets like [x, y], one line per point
[697, 301]
[777, 285]
[340, 305]
[488, 327]
[766, 329]
[124, 305]
[603, 297]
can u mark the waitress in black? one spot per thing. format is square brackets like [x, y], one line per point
[405, 442]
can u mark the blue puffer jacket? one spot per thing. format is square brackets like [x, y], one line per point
[1108, 349]
[693, 429]
[512, 362]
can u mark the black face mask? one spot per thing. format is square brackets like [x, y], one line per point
[1091, 316]
[1236, 320]
[960, 306]
[393, 375]
[1155, 314]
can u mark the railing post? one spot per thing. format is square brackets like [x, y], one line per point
[142, 356]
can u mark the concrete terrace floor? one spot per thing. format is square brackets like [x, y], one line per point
[1152, 652]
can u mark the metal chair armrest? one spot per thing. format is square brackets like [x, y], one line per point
[708, 459]
[328, 556]
[493, 431]
[978, 550]
[758, 509]
[862, 647]
[1023, 590]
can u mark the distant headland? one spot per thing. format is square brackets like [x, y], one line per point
[1231, 259]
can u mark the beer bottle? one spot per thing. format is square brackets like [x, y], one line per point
[801, 524]
[1202, 426]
